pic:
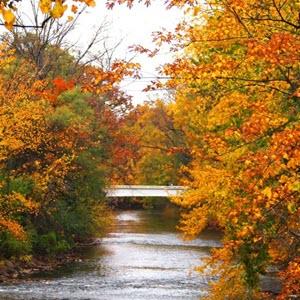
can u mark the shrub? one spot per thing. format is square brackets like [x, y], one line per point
[49, 244]
[10, 246]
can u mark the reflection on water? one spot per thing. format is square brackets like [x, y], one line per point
[142, 258]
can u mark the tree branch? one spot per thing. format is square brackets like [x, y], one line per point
[30, 26]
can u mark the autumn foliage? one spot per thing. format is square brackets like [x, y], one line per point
[55, 134]
[238, 102]
[231, 134]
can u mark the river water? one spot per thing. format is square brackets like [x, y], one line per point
[143, 257]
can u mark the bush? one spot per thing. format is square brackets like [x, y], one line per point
[10, 246]
[49, 244]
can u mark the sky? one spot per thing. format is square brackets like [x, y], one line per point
[133, 26]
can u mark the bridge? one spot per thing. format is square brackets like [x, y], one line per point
[144, 191]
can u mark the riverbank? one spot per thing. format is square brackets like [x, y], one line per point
[14, 270]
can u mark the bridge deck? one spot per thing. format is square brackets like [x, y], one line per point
[144, 191]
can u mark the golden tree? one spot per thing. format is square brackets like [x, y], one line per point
[238, 100]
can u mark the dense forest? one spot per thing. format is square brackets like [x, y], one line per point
[229, 131]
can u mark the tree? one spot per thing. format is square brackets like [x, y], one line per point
[51, 9]
[149, 149]
[237, 100]
[51, 141]
[50, 48]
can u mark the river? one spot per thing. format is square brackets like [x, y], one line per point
[143, 257]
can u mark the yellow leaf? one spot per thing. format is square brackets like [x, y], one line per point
[285, 155]
[58, 9]
[291, 208]
[45, 6]
[247, 162]
[267, 192]
[9, 18]
[196, 11]
[91, 3]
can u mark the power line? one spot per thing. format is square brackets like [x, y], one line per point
[149, 78]
[150, 91]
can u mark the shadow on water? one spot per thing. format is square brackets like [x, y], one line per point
[143, 257]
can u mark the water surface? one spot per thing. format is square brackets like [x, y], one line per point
[143, 257]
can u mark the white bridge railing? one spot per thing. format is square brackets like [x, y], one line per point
[144, 191]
